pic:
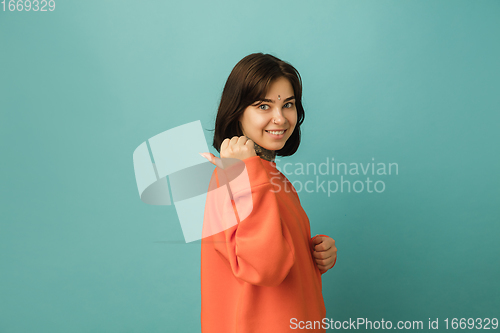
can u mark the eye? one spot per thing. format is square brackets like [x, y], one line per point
[260, 106]
[291, 105]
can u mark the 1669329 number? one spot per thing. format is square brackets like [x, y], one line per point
[28, 5]
[471, 323]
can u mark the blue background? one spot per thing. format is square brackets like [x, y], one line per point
[408, 82]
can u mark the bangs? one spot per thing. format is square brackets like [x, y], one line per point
[259, 91]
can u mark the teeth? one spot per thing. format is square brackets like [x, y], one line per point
[276, 132]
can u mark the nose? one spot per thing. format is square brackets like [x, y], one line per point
[278, 117]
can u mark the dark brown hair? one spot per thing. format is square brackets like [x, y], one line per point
[248, 83]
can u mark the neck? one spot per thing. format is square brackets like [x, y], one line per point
[264, 153]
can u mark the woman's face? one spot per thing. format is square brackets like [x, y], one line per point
[276, 113]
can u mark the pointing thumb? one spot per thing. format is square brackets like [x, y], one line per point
[212, 159]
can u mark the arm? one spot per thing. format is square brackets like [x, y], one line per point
[322, 247]
[258, 248]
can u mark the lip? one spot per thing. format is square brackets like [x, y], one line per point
[274, 136]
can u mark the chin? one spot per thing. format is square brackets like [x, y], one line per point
[274, 146]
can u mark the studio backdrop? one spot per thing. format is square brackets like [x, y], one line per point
[398, 160]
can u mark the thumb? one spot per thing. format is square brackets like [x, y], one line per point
[213, 159]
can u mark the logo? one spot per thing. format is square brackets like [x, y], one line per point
[203, 197]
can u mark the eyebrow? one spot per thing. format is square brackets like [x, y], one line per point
[265, 100]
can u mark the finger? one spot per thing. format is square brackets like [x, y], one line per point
[224, 144]
[218, 162]
[323, 268]
[322, 255]
[232, 143]
[324, 262]
[234, 140]
[317, 239]
[250, 144]
[208, 156]
[326, 247]
[320, 247]
[213, 159]
[316, 243]
[242, 140]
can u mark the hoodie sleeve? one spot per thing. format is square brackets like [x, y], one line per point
[258, 247]
[311, 239]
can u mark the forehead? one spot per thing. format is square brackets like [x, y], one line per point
[280, 86]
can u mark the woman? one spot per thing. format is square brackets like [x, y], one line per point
[261, 273]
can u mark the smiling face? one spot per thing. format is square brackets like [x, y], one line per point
[277, 112]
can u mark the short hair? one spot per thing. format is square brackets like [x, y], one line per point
[248, 83]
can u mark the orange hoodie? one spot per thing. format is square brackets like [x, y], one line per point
[259, 275]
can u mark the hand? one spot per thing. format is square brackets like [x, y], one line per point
[237, 148]
[324, 252]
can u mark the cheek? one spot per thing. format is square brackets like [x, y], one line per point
[254, 122]
[258, 125]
